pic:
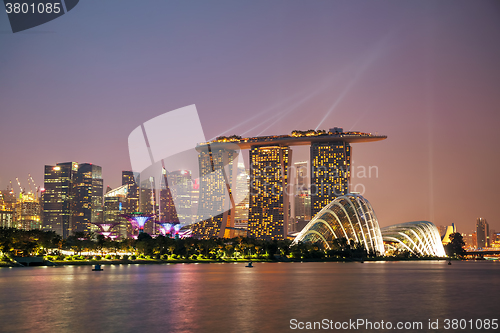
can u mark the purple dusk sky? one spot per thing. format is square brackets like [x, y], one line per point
[424, 73]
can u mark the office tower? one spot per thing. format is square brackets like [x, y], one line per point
[330, 172]
[216, 176]
[268, 213]
[243, 196]
[195, 196]
[88, 191]
[301, 201]
[59, 198]
[178, 207]
[482, 232]
[115, 201]
[72, 199]
[132, 201]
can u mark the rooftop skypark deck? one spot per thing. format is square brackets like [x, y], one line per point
[296, 138]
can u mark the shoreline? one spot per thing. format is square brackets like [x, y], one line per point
[56, 263]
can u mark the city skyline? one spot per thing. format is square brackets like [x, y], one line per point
[424, 74]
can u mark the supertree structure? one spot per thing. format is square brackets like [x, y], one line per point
[137, 220]
[170, 229]
[105, 229]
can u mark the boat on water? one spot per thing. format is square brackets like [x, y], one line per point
[97, 267]
[250, 264]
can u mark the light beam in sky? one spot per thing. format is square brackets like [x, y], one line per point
[363, 65]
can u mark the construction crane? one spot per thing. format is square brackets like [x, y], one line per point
[20, 188]
[31, 181]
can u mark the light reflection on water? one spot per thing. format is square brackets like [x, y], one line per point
[232, 298]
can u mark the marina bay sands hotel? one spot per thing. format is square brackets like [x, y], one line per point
[270, 159]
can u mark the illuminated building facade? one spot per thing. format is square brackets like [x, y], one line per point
[147, 203]
[88, 197]
[7, 208]
[330, 172]
[330, 154]
[27, 212]
[195, 197]
[469, 240]
[420, 238]
[301, 201]
[349, 216]
[115, 202]
[58, 198]
[73, 197]
[268, 211]
[132, 201]
[214, 205]
[167, 208]
[175, 200]
[243, 195]
[482, 233]
[6, 218]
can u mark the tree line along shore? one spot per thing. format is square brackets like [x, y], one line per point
[89, 248]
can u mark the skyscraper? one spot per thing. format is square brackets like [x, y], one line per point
[180, 186]
[147, 203]
[214, 205]
[115, 202]
[72, 198]
[330, 172]
[243, 195]
[268, 213]
[482, 233]
[88, 191]
[132, 200]
[58, 198]
[301, 200]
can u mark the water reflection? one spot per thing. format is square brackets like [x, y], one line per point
[227, 297]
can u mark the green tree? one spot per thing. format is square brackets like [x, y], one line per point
[455, 248]
[145, 244]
